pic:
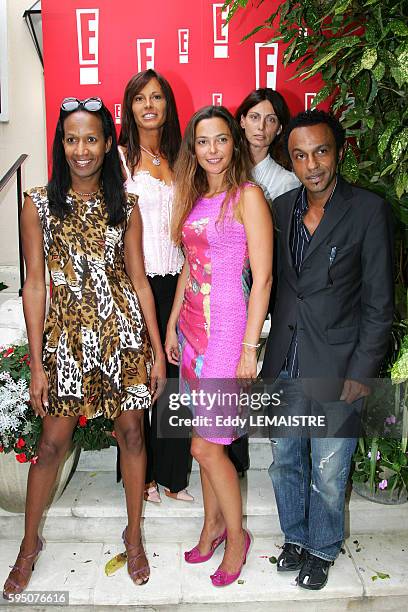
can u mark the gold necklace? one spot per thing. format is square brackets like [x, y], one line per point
[86, 195]
[156, 158]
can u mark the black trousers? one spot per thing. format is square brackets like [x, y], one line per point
[168, 459]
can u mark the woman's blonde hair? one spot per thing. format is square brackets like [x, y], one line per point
[191, 180]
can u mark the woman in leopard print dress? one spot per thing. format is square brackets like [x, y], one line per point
[100, 351]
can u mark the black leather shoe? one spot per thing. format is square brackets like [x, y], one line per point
[291, 558]
[314, 573]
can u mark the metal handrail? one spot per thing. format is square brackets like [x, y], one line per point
[16, 169]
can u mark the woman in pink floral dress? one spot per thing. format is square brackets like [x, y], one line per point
[224, 224]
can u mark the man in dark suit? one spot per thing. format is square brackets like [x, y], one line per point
[330, 331]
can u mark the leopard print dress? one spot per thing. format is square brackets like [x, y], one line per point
[96, 349]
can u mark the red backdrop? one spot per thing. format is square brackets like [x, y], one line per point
[93, 47]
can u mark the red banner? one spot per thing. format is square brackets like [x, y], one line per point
[92, 48]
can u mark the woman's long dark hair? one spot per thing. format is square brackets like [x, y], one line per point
[276, 148]
[129, 135]
[111, 175]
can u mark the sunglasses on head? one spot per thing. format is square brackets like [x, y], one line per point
[90, 104]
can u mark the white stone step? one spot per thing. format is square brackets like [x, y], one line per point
[92, 508]
[10, 276]
[79, 569]
[105, 460]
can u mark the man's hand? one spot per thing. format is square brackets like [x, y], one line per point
[353, 390]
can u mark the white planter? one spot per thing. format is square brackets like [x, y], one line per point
[12, 323]
[13, 479]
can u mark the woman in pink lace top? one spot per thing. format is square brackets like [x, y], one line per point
[149, 142]
[224, 224]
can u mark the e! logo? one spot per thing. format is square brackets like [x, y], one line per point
[183, 36]
[145, 53]
[309, 97]
[118, 114]
[266, 65]
[217, 99]
[88, 36]
[220, 30]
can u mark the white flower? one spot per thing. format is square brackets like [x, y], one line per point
[14, 396]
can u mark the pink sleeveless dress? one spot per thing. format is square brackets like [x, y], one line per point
[213, 315]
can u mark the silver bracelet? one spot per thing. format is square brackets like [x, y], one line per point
[255, 346]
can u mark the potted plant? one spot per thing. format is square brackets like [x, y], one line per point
[381, 462]
[20, 430]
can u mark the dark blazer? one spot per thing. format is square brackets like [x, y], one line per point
[342, 310]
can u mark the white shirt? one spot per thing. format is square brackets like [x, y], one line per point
[273, 178]
[161, 255]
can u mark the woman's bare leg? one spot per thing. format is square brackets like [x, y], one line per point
[54, 442]
[130, 436]
[223, 479]
[214, 523]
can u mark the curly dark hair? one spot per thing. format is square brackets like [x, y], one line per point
[111, 175]
[314, 117]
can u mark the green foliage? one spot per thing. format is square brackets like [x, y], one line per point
[95, 434]
[89, 434]
[381, 460]
[15, 360]
[360, 47]
[346, 39]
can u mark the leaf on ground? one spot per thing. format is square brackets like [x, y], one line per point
[380, 575]
[114, 564]
[273, 560]
[241, 581]
[92, 474]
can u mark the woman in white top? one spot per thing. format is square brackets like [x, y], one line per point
[263, 116]
[148, 146]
